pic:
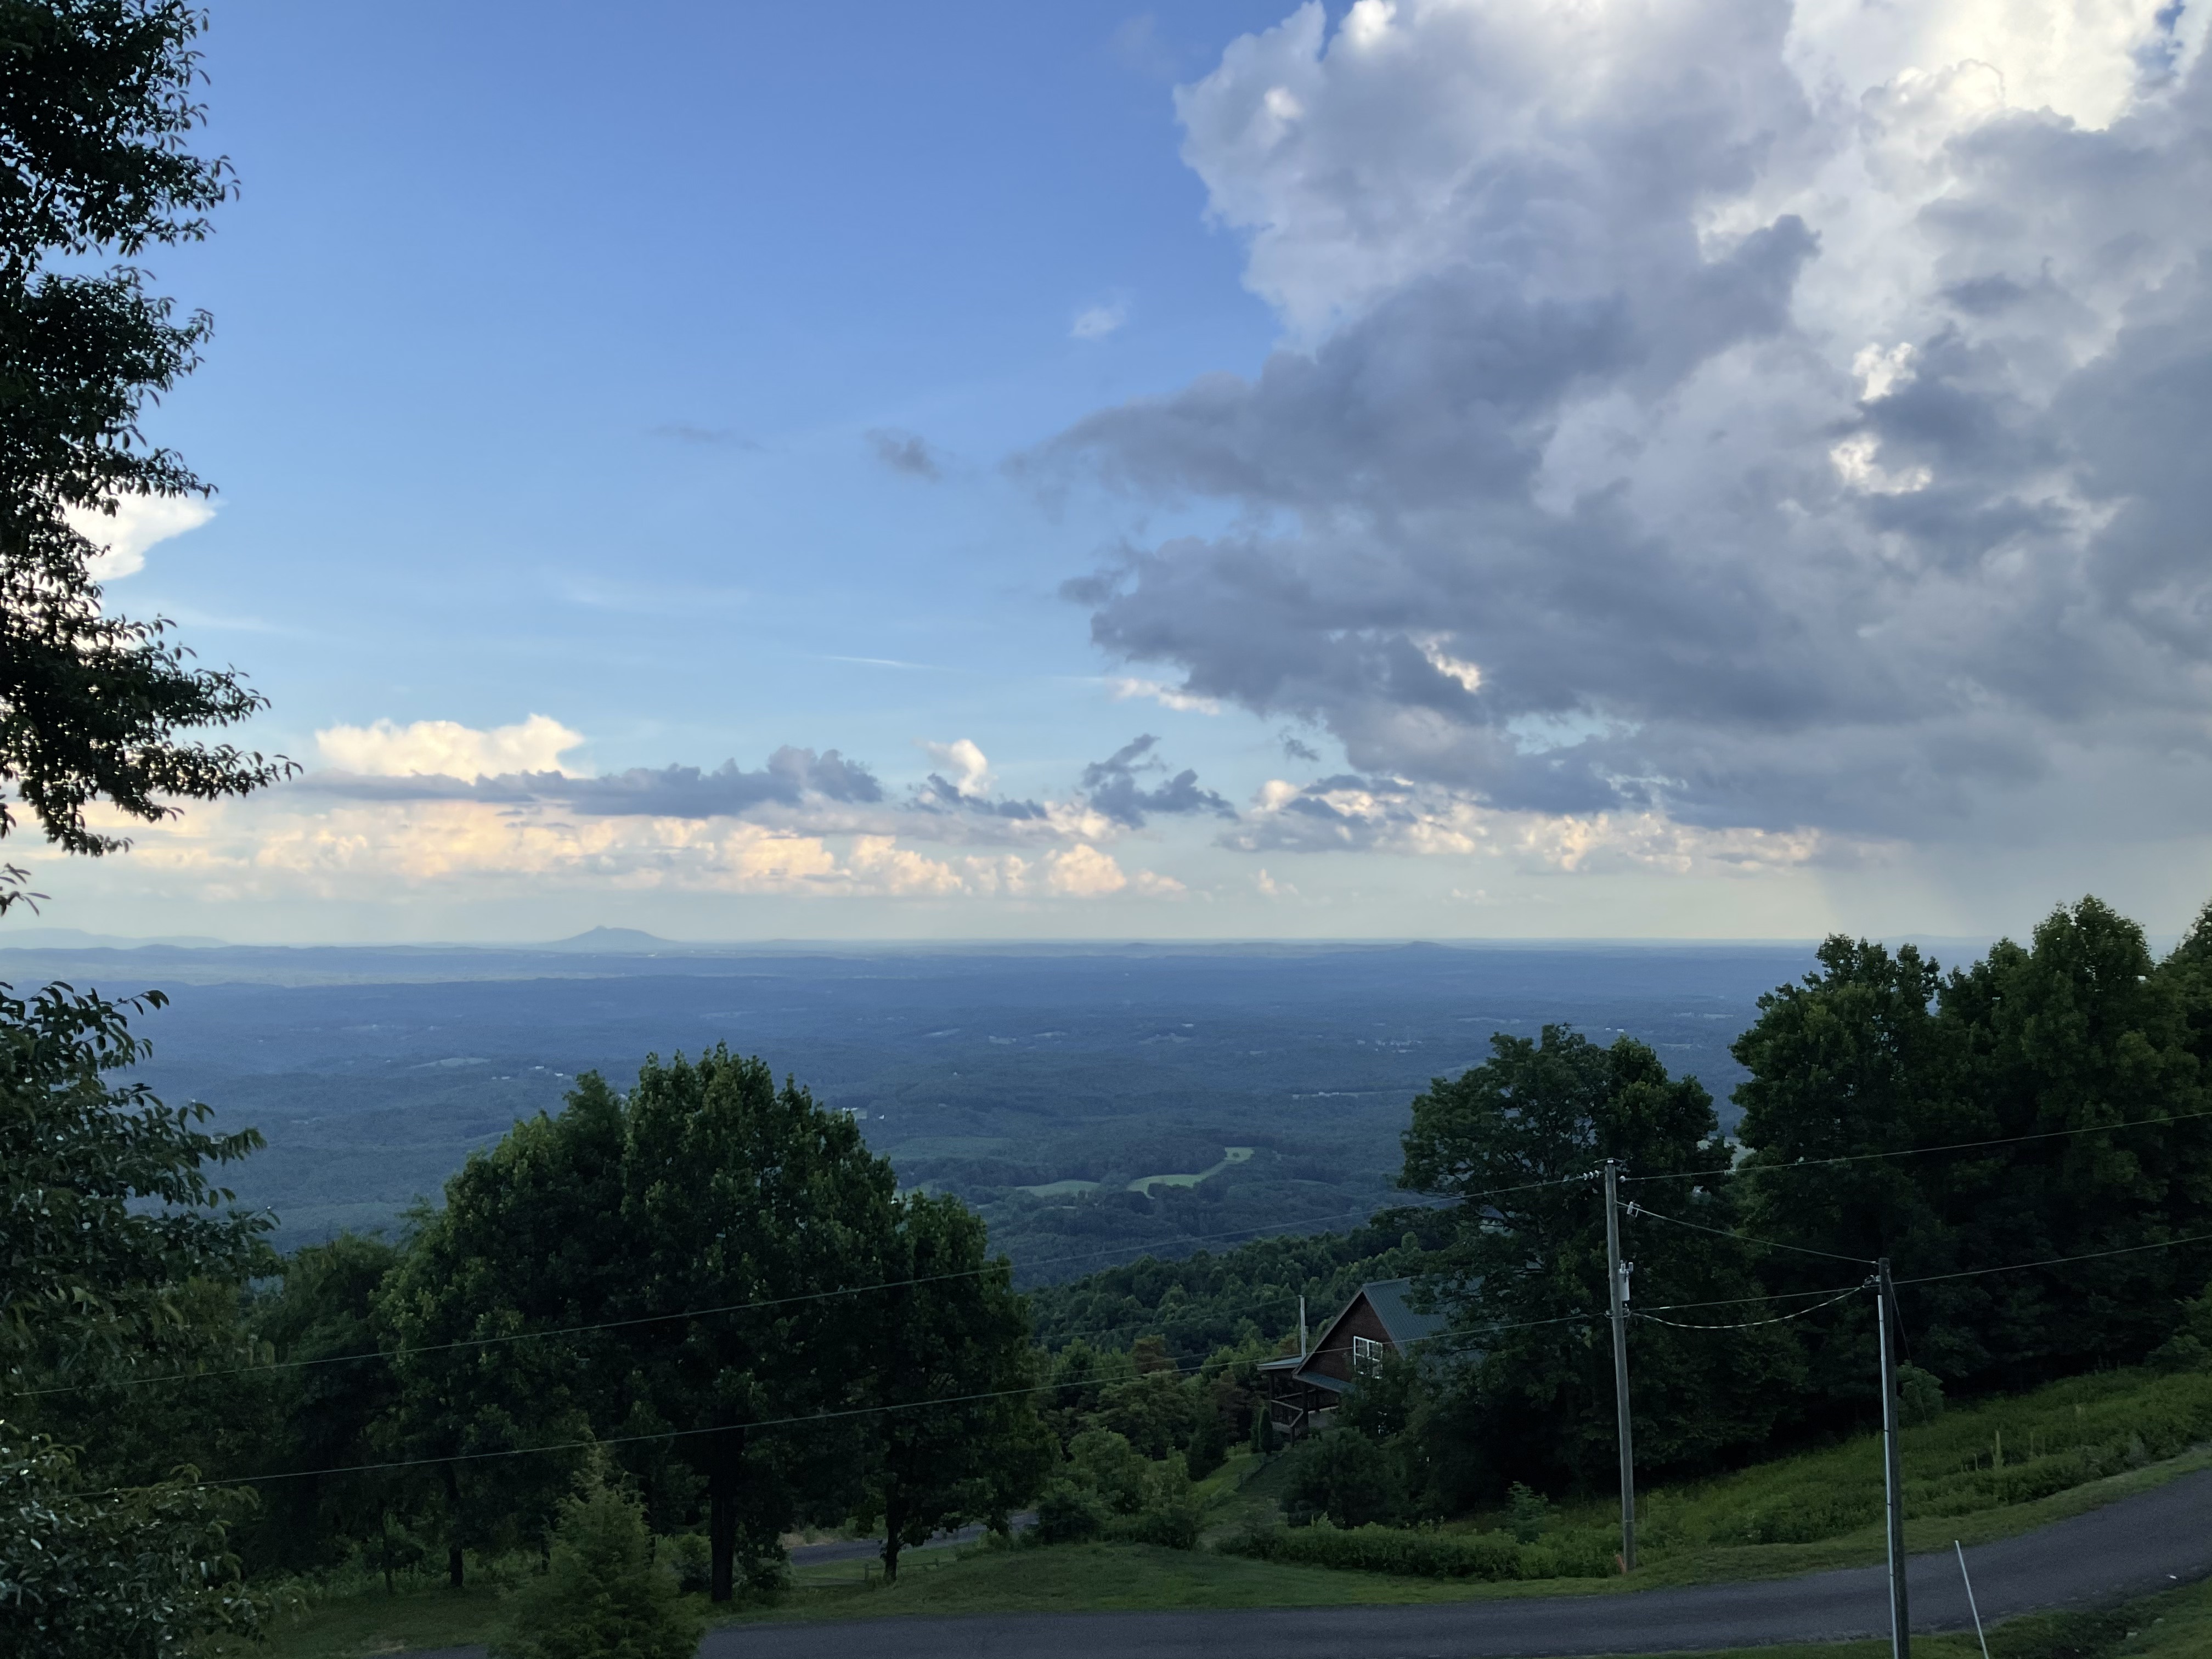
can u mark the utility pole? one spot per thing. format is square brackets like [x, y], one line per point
[1618, 1275]
[1900, 1628]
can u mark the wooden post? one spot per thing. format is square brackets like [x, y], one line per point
[1620, 1283]
[1900, 1627]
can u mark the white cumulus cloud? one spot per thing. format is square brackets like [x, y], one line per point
[428, 748]
[137, 524]
[1717, 412]
[968, 768]
[1122, 688]
[1097, 322]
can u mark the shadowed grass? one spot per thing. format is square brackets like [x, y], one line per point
[1980, 1471]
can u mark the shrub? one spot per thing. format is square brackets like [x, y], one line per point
[1068, 1512]
[2189, 1348]
[1920, 1396]
[1343, 1474]
[1173, 1524]
[691, 1561]
[601, 1596]
[1525, 1513]
[1111, 1468]
[1209, 1446]
[1488, 1555]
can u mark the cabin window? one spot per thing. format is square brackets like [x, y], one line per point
[1366, 1355]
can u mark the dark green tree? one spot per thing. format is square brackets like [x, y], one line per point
[96, 109]
[1550, 1111]
[953, 1332]
[531, 1239]
[756, 1201]
[2043, 1049]
[1853, 1062]
[335, 1405]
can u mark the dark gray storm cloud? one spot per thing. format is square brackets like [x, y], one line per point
[1116, 787]
[1659, 432]
[906, 451]
[791, 777]
[942, 797]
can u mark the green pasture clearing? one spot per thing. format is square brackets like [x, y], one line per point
[1230, 1155]
[1059, 1189]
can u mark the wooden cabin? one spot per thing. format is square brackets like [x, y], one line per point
[1304, 1390]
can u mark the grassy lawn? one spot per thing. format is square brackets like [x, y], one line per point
[1978, 1472]
[1109, 1577]
[349, 1626]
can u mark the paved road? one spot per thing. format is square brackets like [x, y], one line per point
[2126, 1549]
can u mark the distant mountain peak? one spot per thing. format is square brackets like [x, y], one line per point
[609, 941]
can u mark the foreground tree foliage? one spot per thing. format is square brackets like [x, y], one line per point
[97, 1574]
[334, 1407]
[95, 109]
[112, 1234]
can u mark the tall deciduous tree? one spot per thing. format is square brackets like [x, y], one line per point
[530, 1240]
[1851, 1063]
[754, 1199]
[1535, 1258]
[336, 1408]
[955, 1432]
[2070, 1068]
[96, 109]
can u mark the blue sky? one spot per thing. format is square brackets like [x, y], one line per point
[1333, 397]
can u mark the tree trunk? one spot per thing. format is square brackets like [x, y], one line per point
[723, 1477]
[894, 1524]
[453, 1570]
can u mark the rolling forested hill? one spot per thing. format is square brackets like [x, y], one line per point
[1094, 1101]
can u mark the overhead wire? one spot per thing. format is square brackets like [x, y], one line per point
[1921, 1151]
[1634, 1210]
[2060, 1260]
[1748, 1324]
[725, 1307]
[842, 1413]
[849, 1413]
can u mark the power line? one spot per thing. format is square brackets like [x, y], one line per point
[1772, 1244]
[1744, 1325]
[2060, 1260]
[725, 1307]
[842, 1414]
[1739, 1301]
[849, 1413]
[1920, 1152]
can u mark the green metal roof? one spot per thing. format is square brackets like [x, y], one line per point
[1387, 1297]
